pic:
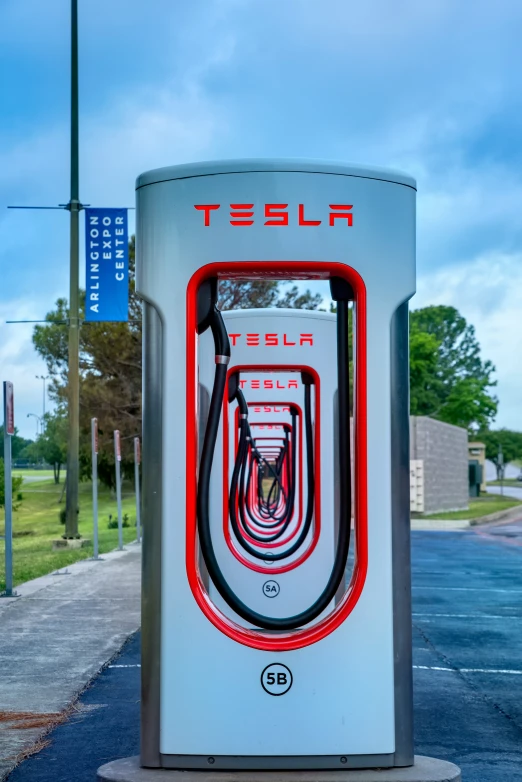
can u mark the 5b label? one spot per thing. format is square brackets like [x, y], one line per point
[276, 679]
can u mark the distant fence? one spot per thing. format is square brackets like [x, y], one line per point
[22, 464]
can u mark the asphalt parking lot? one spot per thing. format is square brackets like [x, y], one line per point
[467, 603]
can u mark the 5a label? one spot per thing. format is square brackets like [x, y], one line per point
[271, 589]
[276, 679]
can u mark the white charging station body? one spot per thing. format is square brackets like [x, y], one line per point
[203, 697]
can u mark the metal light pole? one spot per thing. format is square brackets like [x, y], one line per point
[44, 378]
[38, 421]
[74, 206]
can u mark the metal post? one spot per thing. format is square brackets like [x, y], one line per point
[500, 460]
[71, 523]
[38, 421]
[137, 459]
[44, 378]
[94, 443]
[8, 488]
[117, 459]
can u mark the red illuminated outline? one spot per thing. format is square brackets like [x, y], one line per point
[278, 270]
[258, 567]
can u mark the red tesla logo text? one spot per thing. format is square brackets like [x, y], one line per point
[276, 214]
[256, 384]
[272, 340]
[267, 409]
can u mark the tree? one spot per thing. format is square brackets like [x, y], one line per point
[423, 369]
[51, 445]
[510, 441]
[246, 294]
[18, 444]
[243, 294]
[110, 363]
[448, 379]
[110, 377]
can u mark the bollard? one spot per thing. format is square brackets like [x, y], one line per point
[117, 455]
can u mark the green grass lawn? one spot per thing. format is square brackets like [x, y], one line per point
[481, 506]
[506, 482]
[36, 524]
[30, 473]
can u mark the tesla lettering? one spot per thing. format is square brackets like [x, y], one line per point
[277, 214]
[272, 340]
[256, 384]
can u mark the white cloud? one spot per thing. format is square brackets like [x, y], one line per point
[406, 86]
[20, 363]
[144, 131]
[487, 292]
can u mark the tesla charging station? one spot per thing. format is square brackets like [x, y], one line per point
[320, 679]
[272, 349]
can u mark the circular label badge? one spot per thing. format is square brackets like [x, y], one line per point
[271, 589]
[276, 679]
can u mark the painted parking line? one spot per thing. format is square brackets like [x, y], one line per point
[468, 589]
[506, 671]
[137, 665]
[468, 616]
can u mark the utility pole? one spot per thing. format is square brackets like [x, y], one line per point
[74, 206]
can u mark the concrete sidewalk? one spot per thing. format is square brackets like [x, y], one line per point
[55, 638]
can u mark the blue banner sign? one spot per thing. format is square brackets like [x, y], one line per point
[107, 262]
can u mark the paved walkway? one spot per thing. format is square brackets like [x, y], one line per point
[55, 638]
[507, 491]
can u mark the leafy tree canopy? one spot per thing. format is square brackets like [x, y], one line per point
[51, 445]
[110, 364]
[244, 294]
[448, 378]
[18, 444]
[508, 441]
[110, 377]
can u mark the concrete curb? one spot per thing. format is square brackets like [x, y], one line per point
[512, 514]
[440, 524]
[425, 770]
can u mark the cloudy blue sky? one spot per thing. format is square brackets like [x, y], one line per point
[428, 86]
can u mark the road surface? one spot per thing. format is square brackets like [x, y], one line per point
[508, 491]
[467, 604]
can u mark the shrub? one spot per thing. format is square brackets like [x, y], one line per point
[63, 515]
[113, 523]
[16, 483]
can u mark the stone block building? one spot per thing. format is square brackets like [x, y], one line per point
[443, 451]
